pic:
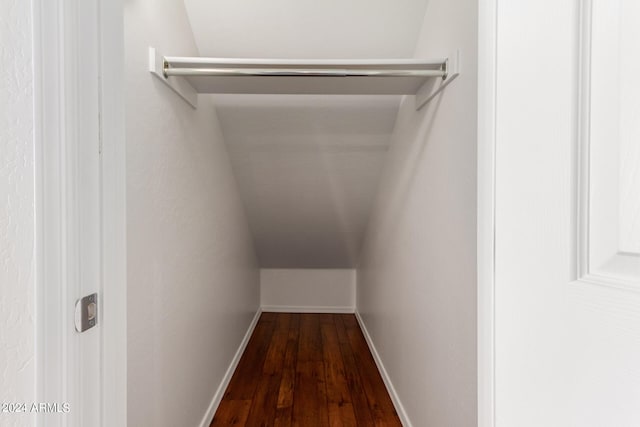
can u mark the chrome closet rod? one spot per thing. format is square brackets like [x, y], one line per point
[293, 72]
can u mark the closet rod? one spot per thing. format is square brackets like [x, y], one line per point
[200, 62]
[293, 72]
[190, 76]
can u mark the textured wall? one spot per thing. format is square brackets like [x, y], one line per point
[193, 284]
[17, 326]
[417, 276]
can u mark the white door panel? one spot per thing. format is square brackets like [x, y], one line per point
[611, 144]
[567, 297]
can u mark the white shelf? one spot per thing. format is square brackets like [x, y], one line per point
[190, 76]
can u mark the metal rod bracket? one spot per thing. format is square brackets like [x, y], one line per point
[157, 66]
[433, 87]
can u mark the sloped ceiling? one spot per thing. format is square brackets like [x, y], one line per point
[307, 166]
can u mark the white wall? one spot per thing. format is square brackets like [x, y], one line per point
[17, 299]
[312, 290]
[192, 278]
[293, 29]
[417, 276]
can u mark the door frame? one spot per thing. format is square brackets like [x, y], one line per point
[50, 126]
[54, 130]
[487, 116]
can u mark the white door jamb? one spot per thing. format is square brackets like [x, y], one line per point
[58, 48]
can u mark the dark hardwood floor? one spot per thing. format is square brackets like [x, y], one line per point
[306, 370]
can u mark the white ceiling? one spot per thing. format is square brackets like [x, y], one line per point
[307, 166]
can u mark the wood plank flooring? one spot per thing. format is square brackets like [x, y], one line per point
[306, 370]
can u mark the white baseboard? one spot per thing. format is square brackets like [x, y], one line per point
[404, 419]
[217, 397]
[305, 309]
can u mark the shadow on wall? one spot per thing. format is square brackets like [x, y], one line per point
[308, 169]
[409, 141]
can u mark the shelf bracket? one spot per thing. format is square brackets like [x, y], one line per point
[178, 84]
[432, 87]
